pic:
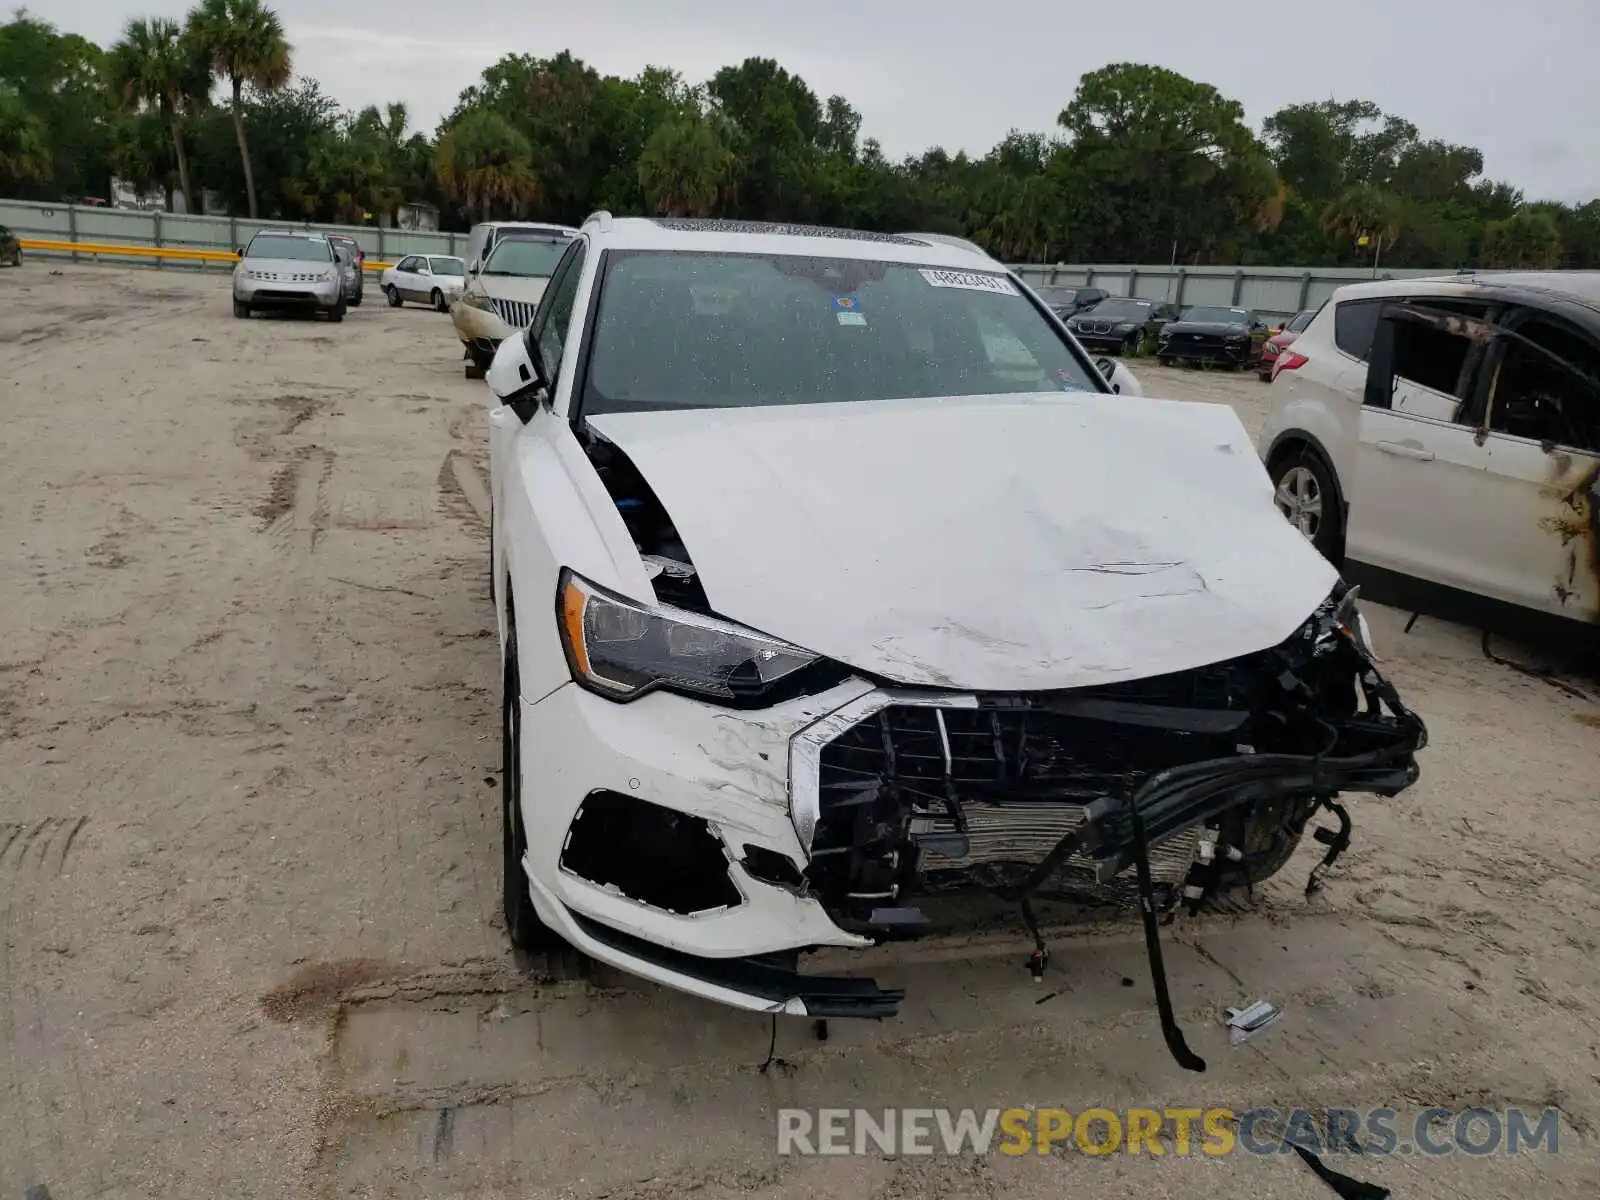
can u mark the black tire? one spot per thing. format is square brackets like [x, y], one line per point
[241, 310]
[474, 371]
[394, 296]
[437, 299]
[355, 301]
[1300, 471]
[523, 926]
[1163, 361]
[336, 313]
[1269, 833]
[1131, 346]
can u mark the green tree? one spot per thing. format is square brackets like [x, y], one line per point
[24, 150]
[483, 165]
[685, 169]
[1161, 164]
[245, 43]
[1361, 212]
[154, 66]
[58, 80]
[1528, 238]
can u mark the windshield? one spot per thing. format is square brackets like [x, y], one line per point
[293, 249]
[691, 330]
[526, 256]
[1120, 310]
[1057, 295]
[1217, 316]
[447, 266]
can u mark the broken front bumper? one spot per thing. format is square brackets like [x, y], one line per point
[704, 847]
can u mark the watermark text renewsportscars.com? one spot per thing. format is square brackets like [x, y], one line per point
[1161, 1131]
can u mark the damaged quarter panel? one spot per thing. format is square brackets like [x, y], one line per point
[991, 543]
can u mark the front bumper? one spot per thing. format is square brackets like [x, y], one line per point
[1111, 341]
[775, 785]
[479, 328]
[287, 294]
[1194, 347]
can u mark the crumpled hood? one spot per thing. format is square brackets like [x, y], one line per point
[526, 288]
[1002, 543]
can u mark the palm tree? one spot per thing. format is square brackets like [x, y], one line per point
[684, 167]
[245, 43]
[1363, 211]
[154, 66]
[484, 165]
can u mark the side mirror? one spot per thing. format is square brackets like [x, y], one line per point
[517, 376]
[1123, 381]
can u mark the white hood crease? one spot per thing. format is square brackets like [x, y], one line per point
[1000, 543]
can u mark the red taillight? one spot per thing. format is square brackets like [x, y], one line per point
[1288, 361]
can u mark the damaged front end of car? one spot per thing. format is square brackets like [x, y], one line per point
[913, 804]
[1161, 791]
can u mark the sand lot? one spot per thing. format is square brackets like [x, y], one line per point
[250, 941]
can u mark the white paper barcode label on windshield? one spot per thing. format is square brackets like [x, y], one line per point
[972, 281]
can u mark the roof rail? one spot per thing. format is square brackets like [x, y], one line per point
[601, 218]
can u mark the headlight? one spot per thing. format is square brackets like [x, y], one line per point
[622, 649]
[477, 300]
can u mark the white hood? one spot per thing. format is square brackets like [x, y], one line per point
[1003, 543]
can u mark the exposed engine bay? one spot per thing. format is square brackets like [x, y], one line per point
[1153, 791]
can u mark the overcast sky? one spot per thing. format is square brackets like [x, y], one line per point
[1519, 81]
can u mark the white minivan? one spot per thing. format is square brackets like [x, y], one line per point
[1439, 439]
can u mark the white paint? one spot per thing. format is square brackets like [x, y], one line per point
[987, 543]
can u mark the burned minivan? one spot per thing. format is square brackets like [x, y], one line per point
[836, 587]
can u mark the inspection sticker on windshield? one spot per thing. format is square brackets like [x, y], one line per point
[971, 281]
[847, 308]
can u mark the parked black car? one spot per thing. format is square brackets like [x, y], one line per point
[10, 248]
[1231, 336]
[1120, 323]
[1068, 300]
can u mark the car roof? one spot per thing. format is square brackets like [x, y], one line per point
[1582, 286]
[541, 226]
[451, 257]
[764, 237]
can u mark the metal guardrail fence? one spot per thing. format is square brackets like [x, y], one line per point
[68, 230]
[84, 232]
[1270, 291]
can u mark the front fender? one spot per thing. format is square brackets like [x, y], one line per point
[551, 512]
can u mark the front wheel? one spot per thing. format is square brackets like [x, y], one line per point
[336, 313]
[241, 310]
[394, 295]
[438, 301]
[1304, 491]
[355, 301]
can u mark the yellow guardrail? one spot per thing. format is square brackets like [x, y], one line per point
[178, 253]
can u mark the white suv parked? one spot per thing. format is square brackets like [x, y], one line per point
[1439, 440]
[834, 586]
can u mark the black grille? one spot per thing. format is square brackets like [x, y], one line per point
[689, 225]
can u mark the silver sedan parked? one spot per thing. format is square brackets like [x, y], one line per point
[284, 269]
